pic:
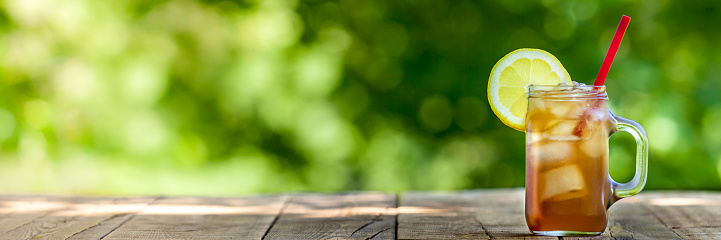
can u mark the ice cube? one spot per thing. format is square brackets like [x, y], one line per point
[532, 137]
[563, 183]
[577, 109]
[547, 153]
[537, 106]
[560, 110]
[593, 131]
[596, 115]
[595, 145]
[561, 130]
[593, 120]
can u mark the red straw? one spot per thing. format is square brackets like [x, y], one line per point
[612, 51]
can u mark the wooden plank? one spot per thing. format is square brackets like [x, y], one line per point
[63, 217]
[202, 218]
[502, 213]
[16, 211]
[484, 214]
[337, 216]
[120, 211]
[604, 236]
[479, 214]
[424, 215]
[628, 220]
[691, 215]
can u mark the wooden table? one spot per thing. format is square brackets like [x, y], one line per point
[477, 214]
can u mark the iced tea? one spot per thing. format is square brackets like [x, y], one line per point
[567, 182]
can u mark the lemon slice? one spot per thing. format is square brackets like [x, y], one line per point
[510, 78]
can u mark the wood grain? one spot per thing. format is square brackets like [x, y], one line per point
[124, 210]
[502, 213]
[202, 218]
[691, 215]
[16, 211]
[438, 216]
[476, 214]
[61, 218]
[337, 216]
[628, 220]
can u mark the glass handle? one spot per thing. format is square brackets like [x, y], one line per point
[622, 190]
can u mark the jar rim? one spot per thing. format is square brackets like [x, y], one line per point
[565, 91]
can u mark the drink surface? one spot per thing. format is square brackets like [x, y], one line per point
[567, 185]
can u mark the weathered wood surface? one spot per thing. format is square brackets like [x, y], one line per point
[337, 216]
[691, 215]
[202, 218]
[438, 216]
[477, 214]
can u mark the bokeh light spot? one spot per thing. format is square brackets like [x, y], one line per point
[435, 113]
[7, 124]
[76, 81]
[143, 83]
[29, 12]
[386, 160]
[559, 27]
[37, 113]
[269, 29]
[32, 148]
[710, 127]
[664, 133]
[584, 10]
[470, 112]
[317, 73]
[145, 132]
[323, 134]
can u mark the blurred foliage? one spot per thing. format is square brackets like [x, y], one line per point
[242, 96]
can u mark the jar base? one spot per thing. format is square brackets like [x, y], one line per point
[565, 233]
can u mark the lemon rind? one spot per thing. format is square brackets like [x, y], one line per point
[507, 118]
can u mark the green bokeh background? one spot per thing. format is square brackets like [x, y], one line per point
[236, 97]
